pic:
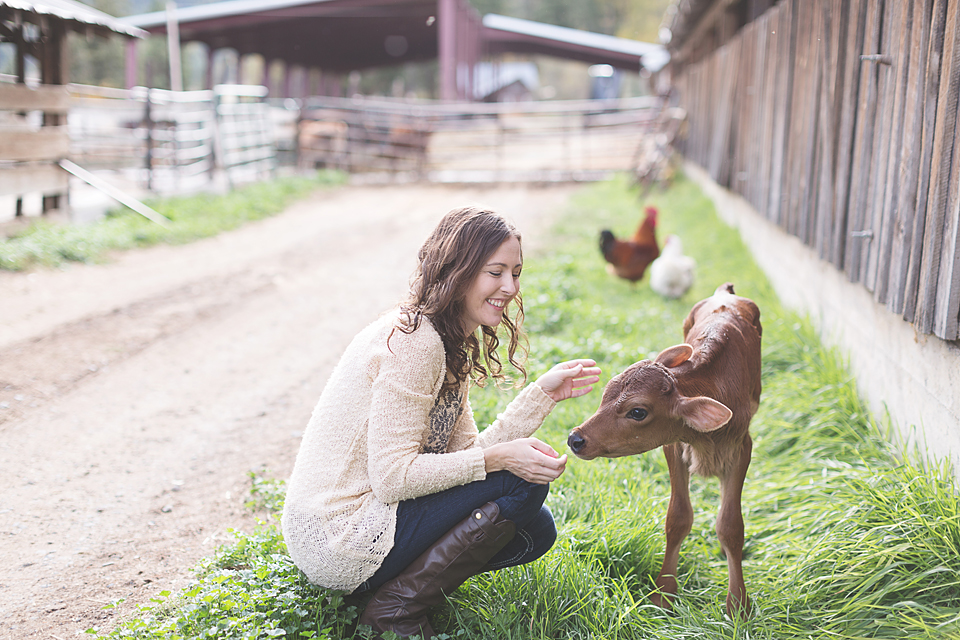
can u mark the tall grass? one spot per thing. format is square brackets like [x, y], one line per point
[847, 536]
[191, 218]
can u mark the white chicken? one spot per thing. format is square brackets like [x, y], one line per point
[671, 274]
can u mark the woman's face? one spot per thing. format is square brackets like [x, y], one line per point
[493, 288]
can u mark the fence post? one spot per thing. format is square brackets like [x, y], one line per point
[148, 155]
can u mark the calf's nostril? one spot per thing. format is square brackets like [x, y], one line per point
[575, 441]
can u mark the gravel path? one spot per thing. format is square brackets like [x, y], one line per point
[136, 395]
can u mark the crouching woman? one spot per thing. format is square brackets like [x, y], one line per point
[395, 491]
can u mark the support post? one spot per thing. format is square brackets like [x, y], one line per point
[173, 47]
[132, 60]
[447, 48]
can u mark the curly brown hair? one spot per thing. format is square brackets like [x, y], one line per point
[449, 261]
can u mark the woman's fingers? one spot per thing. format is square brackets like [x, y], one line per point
[538, 462]
[570, 364]
[542, 447]
[570, 379]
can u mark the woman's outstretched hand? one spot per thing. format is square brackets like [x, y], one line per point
[570, 379]
[526, 458]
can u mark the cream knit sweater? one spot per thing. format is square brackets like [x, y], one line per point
[367, 446]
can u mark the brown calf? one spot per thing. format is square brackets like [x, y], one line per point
[696, 401]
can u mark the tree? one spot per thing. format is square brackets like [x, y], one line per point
[97, 60]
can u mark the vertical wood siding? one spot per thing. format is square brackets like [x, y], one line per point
[837, 120]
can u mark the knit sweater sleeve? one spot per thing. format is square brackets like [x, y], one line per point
[406, 384]
[522, 417]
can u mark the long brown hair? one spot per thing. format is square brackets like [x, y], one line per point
[449, 261]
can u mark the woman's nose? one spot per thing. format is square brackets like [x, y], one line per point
[509, 285]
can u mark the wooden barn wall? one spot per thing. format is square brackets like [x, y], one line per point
[837, 121]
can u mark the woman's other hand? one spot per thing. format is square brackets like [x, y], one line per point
[570, 379]
[526, 458]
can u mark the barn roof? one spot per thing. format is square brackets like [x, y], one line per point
[505, 34]
[355, 34]
[77, 16]
[339, 35]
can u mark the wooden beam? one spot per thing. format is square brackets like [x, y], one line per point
[115, 193]
[43, 178]
[48, 143]
[20, 97]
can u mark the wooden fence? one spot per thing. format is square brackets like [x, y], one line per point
[837, 120]
[30, 145]
[173, 141]
[477, 142]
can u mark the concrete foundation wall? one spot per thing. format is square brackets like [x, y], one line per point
[914, 377]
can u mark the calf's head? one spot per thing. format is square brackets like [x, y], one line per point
[642, 409]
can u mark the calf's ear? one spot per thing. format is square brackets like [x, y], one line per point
[675, 356]
[704, 414]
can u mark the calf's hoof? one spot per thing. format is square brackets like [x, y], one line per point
[738, 605]
[665, 593]
[662, 600]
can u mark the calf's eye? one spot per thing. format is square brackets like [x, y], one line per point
[637, 414]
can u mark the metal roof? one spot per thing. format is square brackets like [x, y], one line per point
[216, 10]
[355, 34]
[333, 34]
[77, 16]
[572, 43]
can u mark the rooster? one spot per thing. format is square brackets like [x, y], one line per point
[629, 258]
[672, 273]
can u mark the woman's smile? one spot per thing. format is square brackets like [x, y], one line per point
[493, 288]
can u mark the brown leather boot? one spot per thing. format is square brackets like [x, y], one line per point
[401, 604]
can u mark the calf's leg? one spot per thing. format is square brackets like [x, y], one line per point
[678, 525]
[730, 531]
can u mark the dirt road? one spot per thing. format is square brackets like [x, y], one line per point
[136, 395]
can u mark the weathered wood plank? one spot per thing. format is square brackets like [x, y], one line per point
[782, 115]
[859, 225]
[743, 131]
[936, 23]
[903, 212]
[802, 175]
[882, 179]
[947, 315]
[720, 142]
[46, 143]
[833, 18]
[33, 178]
[769, 23]
[20, 97]
[939, 280]
[795, 130]
[758, 110]
[852, 41]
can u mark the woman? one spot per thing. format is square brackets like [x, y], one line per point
[394, 488]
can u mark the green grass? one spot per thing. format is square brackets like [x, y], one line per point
[847, 536]
[47, 244]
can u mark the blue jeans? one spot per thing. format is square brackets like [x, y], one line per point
[422, 521]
